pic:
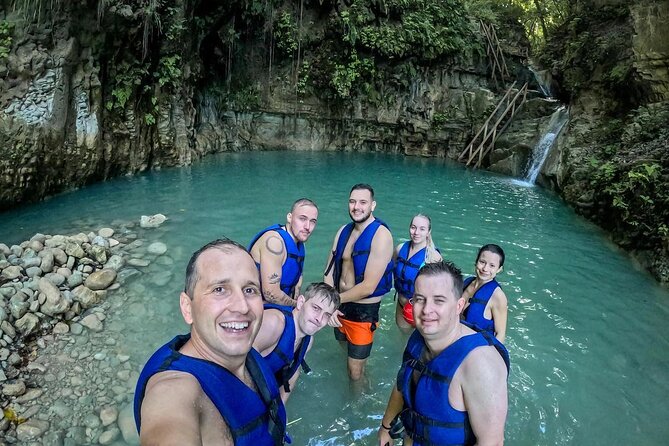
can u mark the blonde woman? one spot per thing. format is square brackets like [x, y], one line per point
[409, 257]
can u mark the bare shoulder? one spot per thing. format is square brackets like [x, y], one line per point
[483, 364]
[272, 326]
[383, 236]
[171, 409]
[499, 296]
[271, 242]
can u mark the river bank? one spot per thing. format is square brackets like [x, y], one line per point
[65, 374]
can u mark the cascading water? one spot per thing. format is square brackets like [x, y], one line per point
[540, 151]
[540, 78]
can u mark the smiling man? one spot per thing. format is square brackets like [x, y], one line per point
[286, 335]
[279, 253]
[452, 386]
[360, 268]
[210, 387]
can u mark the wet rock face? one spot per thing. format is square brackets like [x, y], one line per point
[651, 46]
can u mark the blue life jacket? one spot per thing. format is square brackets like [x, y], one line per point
[253, 418]
[406, 270]
[360, 255]
[291, 270]
[428, 417]
[477, 303]
[283, 360]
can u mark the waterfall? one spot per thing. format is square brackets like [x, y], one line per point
[540, 151]
[541, 81]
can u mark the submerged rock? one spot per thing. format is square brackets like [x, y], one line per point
[152, 221]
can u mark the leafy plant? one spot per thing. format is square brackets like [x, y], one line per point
[6, 30]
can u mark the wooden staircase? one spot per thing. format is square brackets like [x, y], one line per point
[495, 125]
[495, 53]
[508, 106]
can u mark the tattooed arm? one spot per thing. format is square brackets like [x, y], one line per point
[272, 256]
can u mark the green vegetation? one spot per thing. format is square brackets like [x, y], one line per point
[630, 179]
[6, 30]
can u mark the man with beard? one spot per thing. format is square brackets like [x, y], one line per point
[286, 336]
[279, 253]
[210, 387]
[360, 268]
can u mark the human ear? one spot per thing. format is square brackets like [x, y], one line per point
[185, 304]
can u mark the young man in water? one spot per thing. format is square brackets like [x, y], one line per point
[452, 386]
[210, 387]
[360, 268]
[279, 253]
[285, 336]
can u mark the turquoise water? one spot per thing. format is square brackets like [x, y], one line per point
[587, 337]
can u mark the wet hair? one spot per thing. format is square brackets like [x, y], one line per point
[224, 244]
[444, 267]
[323, 290]
[495, 249]
[363, 186]
[430, 248]
[302, 202]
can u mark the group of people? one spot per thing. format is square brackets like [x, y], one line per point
[251, 327]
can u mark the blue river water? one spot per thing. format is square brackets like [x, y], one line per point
[587, 337]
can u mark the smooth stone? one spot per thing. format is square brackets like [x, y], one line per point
[126, 423]
[4, 249]
[115, 262]
[36, 245]
[113, 242]
[162, 278]
[12, 272]
[31, 430]
[14, 389]
[56, 303]
[27, 324]
[91, 421]
[138, 262]
[56, 278]
[76, 328]
[59, 256]
[92, 322]
[106, 232]
[48, 260]
[85, 296]
[34, 271]
[75, 279]
[18, 308]
[14, 359]
[100, 241]
[152, 221]
[157, 248]
[30, 262]
[64, 272]
[108, 415]
[61, 409]
[61, 328]
[99, 280]
[30, 395]
[7, 328]
[50, 290]
[107, 437]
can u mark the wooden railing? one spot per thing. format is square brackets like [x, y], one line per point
[496, 123]
[495, 53]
